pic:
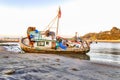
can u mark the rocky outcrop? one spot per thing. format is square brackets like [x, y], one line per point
[113, 34]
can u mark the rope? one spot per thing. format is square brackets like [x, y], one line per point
[51, 23]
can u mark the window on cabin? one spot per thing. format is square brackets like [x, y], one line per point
[47, 43]
[41, 43]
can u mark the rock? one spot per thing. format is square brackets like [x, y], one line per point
[74, 69]
[21, 52]
[5, 56]
[57, 60]
[9, 72]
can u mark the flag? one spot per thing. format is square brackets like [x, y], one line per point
[59, 13]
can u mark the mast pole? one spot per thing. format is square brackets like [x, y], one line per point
[57, 26]
[58, 16]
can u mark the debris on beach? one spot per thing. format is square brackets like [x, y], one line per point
[9, 71]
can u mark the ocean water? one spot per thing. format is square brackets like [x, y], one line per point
[12, 46]
[106, 52]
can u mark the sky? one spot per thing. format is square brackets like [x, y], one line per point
[82, 16]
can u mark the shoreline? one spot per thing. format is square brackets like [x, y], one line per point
[107, 41]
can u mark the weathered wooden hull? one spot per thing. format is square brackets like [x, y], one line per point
[29, 49]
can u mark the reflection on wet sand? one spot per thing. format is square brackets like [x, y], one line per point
[106, 52]
[78, 56]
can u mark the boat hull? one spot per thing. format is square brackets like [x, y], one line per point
[29, 49]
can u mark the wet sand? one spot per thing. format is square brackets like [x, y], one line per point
[24, 66]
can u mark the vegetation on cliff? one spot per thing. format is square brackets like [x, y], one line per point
[113, 34]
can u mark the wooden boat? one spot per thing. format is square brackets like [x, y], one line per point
[38, 49]
[48, 41]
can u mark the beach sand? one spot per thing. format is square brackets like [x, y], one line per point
[25, 66]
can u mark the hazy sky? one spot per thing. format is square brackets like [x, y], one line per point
[80, 16]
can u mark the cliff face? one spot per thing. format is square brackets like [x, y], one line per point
[113, 34]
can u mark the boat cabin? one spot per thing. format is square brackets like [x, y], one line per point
[42, 40]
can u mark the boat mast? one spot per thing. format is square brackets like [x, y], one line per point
[57, 26]
[59, 16]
